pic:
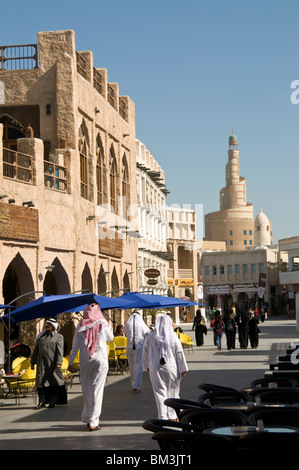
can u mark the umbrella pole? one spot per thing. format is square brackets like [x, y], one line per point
[9, 354]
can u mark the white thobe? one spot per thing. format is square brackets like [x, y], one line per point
[93, 372]
[165, 379]
[135, 330]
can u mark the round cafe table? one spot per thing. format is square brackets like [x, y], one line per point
[237, 431]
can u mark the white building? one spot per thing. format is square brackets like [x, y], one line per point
[152, 222]
[182, 244]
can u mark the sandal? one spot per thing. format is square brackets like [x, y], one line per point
[94, 428]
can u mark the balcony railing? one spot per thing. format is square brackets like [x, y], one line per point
[18, 57]
[55, 176]
[17, 166]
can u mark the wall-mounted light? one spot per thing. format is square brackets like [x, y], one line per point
[90, 217]
[48, 109]
[2, 196]
[126, 135]
[28, 203]
[50, 267]
[96, 110]
[11, 201]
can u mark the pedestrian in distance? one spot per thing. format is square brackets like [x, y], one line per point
[230, 329]
[135, 330]
[91, 336]
[218, 328]
[253, 330]
[164, 358]
[200, 327]
[242, 322]
[48, 356]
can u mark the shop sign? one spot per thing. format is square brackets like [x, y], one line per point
[186, 282]
[219, 290]
[245, 288]
[152, 272]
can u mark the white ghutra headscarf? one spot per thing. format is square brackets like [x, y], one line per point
[164, 337]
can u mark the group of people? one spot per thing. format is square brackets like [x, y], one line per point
[229, 324]
[157, 350]
[245, 323]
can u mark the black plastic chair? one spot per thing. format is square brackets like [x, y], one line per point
[182, 406]
[222, 397]
[258, 390]
[214, 387]
[213, 418]
[157, 425]
[268, 444]
[276, 416]
[176, 442]
[288, 396]
[280, 381]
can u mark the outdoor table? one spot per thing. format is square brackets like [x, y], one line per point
[237, 431]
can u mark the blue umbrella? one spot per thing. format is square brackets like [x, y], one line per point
[153, 301]
[51, 305]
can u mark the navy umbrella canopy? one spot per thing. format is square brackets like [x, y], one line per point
[51, 305]
[148, 301]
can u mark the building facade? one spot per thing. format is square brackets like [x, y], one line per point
[289, 276]
[183, 268]
[246, 279]
[152, 223]
[67, 172]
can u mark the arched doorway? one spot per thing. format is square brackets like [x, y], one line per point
[86, 279]
[102, 283]
[18, 289]
[114, 283]
[126, 282]
[243, 302]
[56, 280]
[17, 281]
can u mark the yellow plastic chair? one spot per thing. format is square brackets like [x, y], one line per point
[19, 364]
[23, 385]
[76, 363]
[186, 341]
[121, 351]
[67, 375]
[113, 358]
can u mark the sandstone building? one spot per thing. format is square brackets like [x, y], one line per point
[67, 173]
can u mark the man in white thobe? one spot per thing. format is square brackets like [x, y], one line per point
[135, 330]
[164, 358]
[91, 338]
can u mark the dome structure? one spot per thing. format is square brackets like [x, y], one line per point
[233, 139]
[262, 232]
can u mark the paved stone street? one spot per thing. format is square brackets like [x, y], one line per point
[22, 427]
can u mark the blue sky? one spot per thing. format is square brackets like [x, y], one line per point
[196, 69]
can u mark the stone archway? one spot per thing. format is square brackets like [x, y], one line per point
[56, 280]
[86, 279]
[18, 284]
[114, 283]
[102, 283]
[126, 282]
[17, 281]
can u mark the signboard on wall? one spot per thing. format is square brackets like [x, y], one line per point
[18, 222]
[213, 290]
[111, 244]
